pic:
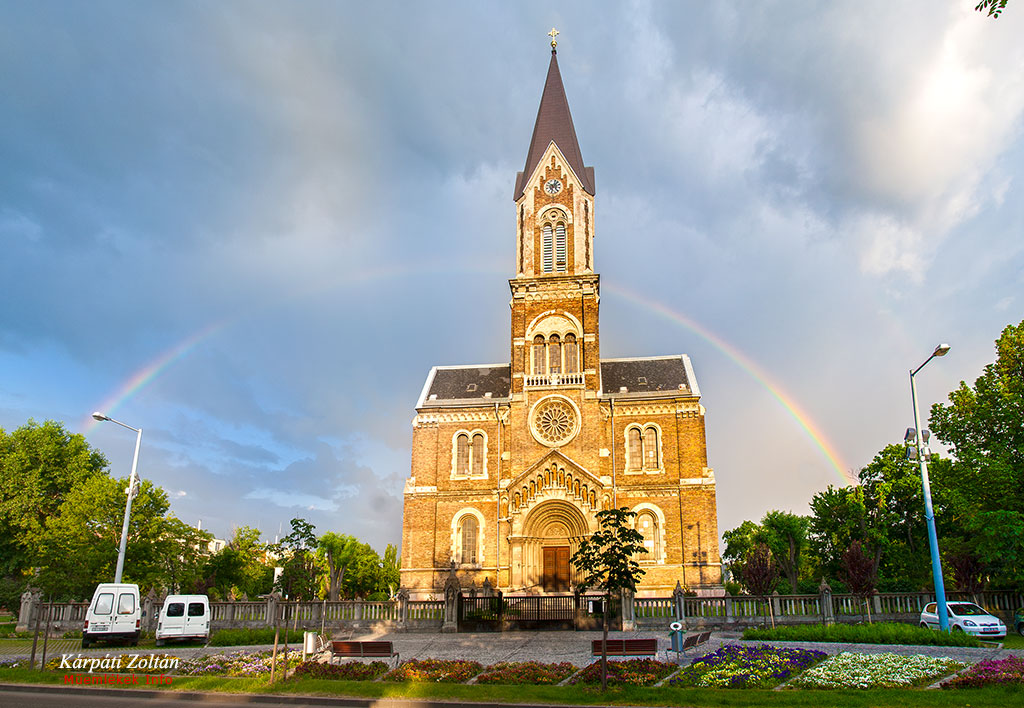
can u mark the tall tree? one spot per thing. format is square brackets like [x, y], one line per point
[785, 534]
[760, 573]
[339, 551]
[40, 465]
[607, 560]
[391, 576]
[300, 573]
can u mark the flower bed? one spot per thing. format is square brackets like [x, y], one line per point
[990, 672]
[735, 666]
[353, 671]
[526, 672]
[239, 663]
[435, 671]
[848, 670]
[634, 672]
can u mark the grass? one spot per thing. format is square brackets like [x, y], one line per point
[994, 697]
[878, 633]
[249, 637]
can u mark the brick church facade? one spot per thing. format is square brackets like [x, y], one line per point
[511, 462]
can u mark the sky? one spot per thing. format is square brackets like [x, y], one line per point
[251, 228]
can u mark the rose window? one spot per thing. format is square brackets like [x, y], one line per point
[555, 422]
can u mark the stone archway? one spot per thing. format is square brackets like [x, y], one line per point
[551, 533]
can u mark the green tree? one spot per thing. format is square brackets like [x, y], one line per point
[300, 575]
[391, 576]
[338, 551]
[79, 545]
[607, 560]
[255, 576]
[785, 534]
[40, 465]
[364, 575]
[181, 552]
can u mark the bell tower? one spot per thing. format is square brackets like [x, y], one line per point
[555, 290]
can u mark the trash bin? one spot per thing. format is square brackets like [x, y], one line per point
[310, 642]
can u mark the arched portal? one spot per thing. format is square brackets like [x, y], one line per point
[551, 533]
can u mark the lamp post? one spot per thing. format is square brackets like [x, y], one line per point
[929, 513]
[132, 482]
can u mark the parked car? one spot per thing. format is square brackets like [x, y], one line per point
[965, 617]
[184, 617]
[1018, 621]
[113, 615]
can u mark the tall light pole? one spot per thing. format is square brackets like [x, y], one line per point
[132, 482]
[929, 513]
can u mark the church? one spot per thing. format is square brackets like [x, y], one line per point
[512, 461]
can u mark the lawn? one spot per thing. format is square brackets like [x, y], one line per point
[994, 697]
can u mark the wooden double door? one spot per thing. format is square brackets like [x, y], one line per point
[556, 569]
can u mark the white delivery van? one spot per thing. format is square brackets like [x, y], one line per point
[113, 614]
[184, 617]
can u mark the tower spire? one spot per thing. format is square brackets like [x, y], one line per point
[554, 124]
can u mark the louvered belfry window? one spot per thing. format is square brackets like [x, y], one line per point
[539, 356]
[554, 354]
[560, 248]
[570, 355]
[547, 249]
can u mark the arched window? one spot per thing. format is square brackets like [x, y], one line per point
[469, 533]
[539, 356]
[547, 247]
[478, 452]
[651, 448]
[560, 249]
[633, 451]
[647, 525]
[570, 355]
[462, 454]
[554, 354]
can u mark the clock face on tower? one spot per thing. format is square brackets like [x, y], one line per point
[552, 186]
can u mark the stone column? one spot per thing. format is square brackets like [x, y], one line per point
[403, 608]
[628, 617]
[679, 604]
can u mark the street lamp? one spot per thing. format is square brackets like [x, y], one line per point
[929, 513]
[132, 482]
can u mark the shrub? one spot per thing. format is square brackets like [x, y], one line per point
[526, 672]
[634, 672]
[879, 633]
[353, 671]
[735, 666]
[435, 671]
[988, 672]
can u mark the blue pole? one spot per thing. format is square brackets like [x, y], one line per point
[929, 513]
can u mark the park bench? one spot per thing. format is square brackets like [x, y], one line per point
[626, 647]
[363, 650]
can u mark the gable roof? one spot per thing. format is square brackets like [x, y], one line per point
[466, 385]
[554, 124]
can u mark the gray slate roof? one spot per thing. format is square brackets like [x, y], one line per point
[644, 375]
[467, 384]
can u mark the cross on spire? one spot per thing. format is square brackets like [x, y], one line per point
[553, 33]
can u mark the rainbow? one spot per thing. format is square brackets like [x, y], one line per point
[150, 371]
[742, 361]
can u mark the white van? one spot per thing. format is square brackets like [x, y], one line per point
[184, 617]
[113, 614]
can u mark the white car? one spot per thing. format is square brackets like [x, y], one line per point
[965, 617]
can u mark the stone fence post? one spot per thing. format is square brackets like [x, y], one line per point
[29, 606]
[679, 604]
[273, 602]
[825, 602]
[628, 610]
[403, 607]
[451, 600]
[148, 622]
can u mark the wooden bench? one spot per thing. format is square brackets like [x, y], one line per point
[363, 650]
[626, 647]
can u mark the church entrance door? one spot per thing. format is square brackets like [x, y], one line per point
[556, 569]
